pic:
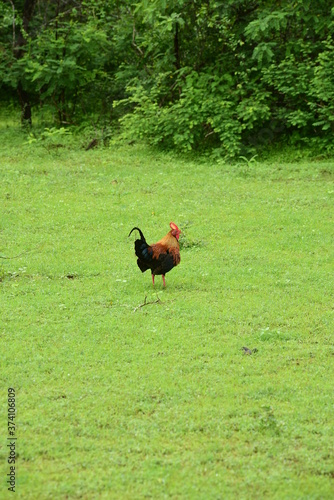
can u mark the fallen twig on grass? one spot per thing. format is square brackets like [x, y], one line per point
[19, 255]
[145, 303]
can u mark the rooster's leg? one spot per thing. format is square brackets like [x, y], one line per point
[163, 279]
[153, 279]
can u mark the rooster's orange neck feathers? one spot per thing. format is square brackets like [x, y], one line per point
[169, 241]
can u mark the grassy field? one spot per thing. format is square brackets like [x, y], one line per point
[125, 402]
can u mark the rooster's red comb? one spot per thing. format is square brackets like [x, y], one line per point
[172, 225]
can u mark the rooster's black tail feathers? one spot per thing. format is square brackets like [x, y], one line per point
[143, 251]
[141, 234]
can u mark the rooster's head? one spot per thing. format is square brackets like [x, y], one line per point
[175, 230]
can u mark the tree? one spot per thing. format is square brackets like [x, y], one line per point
[247, 73]
[57, 54]
[232, 75]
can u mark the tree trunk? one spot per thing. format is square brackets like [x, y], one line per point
[24, 98]
[25, 105]
[177, 47]
[177, 52]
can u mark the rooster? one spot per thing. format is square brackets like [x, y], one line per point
[160, 257]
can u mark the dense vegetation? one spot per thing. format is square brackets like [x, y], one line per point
[232, 76]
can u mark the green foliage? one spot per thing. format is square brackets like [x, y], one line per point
[68, 66]
[229, 77]
[265, 84]
[322, 89]
[50, 138]
[183, 123]
[207, 112]
[64, 62]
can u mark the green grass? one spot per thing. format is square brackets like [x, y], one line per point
[160, 401]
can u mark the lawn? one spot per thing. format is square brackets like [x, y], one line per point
[119, 401]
